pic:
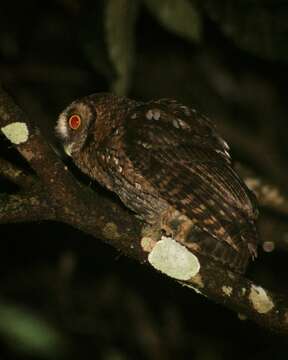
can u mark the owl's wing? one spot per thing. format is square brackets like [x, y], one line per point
[179, 152]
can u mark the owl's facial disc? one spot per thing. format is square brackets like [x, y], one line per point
[74, 123]
[72, 126]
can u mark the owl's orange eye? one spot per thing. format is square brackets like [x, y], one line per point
[74, 121]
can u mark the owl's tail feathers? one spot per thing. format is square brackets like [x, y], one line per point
[223, 252]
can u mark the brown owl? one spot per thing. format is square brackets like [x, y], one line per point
[167, 163]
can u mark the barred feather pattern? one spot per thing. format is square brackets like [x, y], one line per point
[182, 156]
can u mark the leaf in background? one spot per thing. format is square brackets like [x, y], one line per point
[178, 16]
[120, 19]
[28, 333]
[92, 39]
[260, 27]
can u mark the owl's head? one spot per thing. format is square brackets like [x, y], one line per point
[95, 115]
[73, 125]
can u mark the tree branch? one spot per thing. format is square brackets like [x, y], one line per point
[260, 152]
[274, 201]
[24, 208]
[61, 197]
[16, 175]
[268, 194]
[242, 295]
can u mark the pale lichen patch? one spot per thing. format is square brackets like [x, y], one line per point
[34, 201]
[138, 186]
[13, 172]
[17, 132]
[110, 231]
[147, 243]
[174, 259]
[261, 302]
[227, 290]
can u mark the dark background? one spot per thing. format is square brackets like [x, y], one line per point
[64, 295]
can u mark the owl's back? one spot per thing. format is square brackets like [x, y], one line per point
[180, 156]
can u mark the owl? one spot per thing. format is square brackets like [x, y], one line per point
[167, 163]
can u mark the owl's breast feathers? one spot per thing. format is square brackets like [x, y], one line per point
[187, 165]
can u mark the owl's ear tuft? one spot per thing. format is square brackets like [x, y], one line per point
[74, 121]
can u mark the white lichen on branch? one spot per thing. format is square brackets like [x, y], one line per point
[173, 259]
[16, 132]
[261, 302]
[147, 243]
[227, 290]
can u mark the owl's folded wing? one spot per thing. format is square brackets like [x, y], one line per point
[188, 164]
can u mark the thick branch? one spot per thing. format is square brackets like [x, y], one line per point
[64, 199]
[16, 175]
[273, 201]
[24, 208]
[269, 195]
[262, 155]
[242, 295]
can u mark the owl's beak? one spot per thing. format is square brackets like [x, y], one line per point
[68, 149]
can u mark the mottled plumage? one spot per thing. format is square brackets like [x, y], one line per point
[168, 164]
